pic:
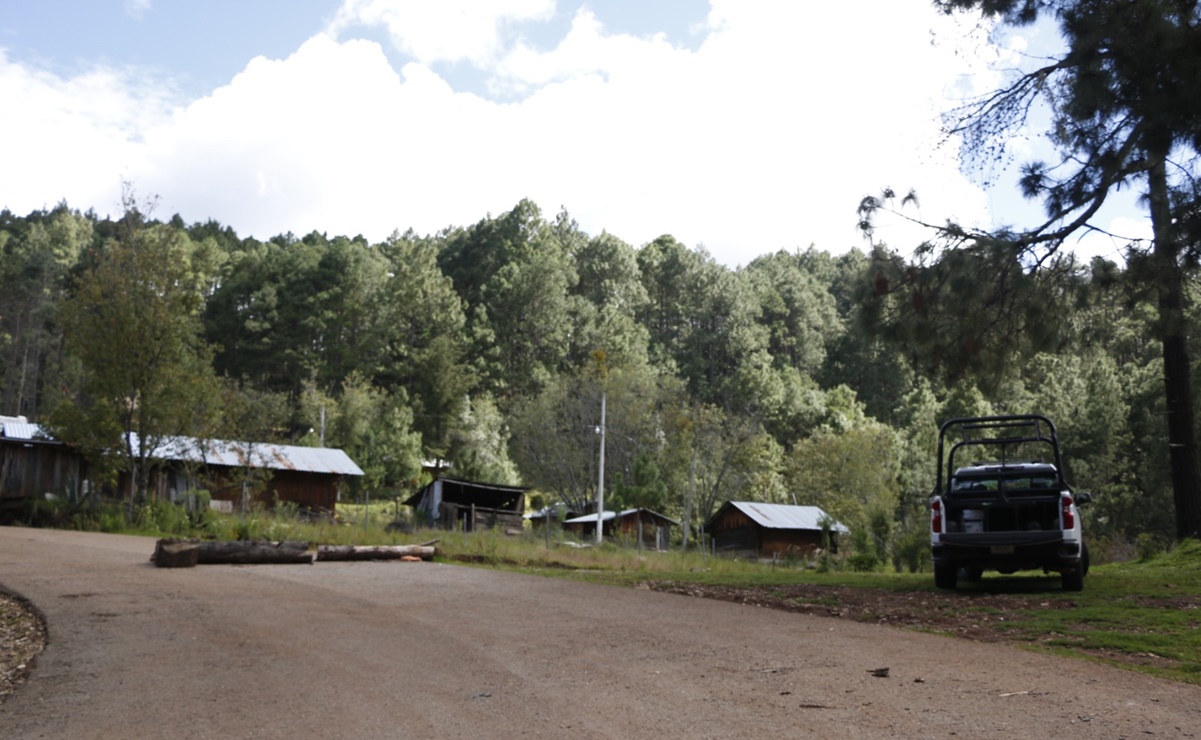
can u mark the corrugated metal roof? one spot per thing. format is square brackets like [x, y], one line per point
[257, 455]
[785, 516]
[22, 430]
[222, 452]
[607, 515]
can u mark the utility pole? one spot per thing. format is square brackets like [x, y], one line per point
[600, 484]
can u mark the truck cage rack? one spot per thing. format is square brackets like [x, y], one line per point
[1040, 430]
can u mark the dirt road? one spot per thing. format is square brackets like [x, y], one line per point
[388, 650]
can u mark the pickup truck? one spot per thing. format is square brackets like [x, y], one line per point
[1008, 507]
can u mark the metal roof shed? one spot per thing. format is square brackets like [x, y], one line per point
[451, 503]
[754, 529]
[33, 464]
[653, 527]
[307, 476]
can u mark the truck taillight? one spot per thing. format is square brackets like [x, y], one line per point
[1069, 519]
[936, 516]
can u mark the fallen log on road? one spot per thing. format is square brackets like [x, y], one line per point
[376, 552]
[176, 554]
[240, 552]
[254, 552]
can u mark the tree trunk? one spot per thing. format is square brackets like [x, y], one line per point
[1178, 387]
[244, 552]
[382, 552]
[176, 554]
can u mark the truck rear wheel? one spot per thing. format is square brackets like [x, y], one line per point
[946, 575]
[1073, 580]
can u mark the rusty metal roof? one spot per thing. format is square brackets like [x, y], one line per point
[785, 516]
[257, 455]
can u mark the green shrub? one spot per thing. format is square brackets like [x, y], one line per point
[1149, 545]
[863, 557]
[912, 552]
[110, 518]
[164, 518]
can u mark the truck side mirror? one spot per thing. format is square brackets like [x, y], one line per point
[1082, 498]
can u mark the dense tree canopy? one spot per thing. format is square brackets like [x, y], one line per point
[489, 347]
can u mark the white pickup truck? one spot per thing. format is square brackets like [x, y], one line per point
[1008, 508]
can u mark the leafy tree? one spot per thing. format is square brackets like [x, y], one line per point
[259, 318]
[134, 325]
[556, 440]
[37, 255]
[373, 427]
[514, 273]
[850, 473]
[288, 311]
[703, 322]
[611, 297]
[425, 344]
[669, 273]
[644, 490]
[1124, 113]
[788, 402]
[797, 310]
[711, 456]
[479, 444]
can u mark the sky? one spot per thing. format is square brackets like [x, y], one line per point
[740, 126]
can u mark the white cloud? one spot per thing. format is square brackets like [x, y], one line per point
[763, 137]
[137, 9]
[72, 138]
[442, 31]
[1117, 234]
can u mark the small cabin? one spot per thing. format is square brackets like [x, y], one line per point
[769, 531]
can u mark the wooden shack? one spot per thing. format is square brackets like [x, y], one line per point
[309, 477]
[751, 529]
[33, 465]
[629, 525]
[450, 503]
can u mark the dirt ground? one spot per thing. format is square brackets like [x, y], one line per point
[433, 650]
[23, 635]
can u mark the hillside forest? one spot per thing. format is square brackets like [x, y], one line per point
[490, 345]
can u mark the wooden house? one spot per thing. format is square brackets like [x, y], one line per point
[245, 472]
[751, 529]
[33, 465]
[653, 528]
[450, 503]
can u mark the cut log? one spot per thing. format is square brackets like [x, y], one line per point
[250, 552]
[379, 552]
[176, 554]
[245, 552]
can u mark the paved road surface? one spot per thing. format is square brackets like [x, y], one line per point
[421, 650]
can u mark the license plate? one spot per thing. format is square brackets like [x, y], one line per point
[1001, 549]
